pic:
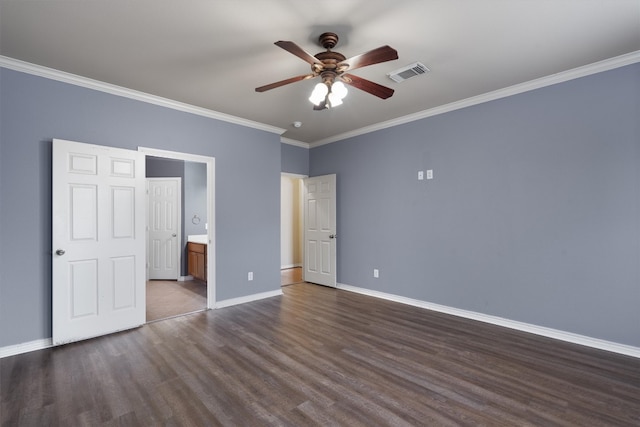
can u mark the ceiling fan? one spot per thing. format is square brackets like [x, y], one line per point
[332, 67]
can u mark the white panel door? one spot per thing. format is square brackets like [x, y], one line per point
[164, 237]
[320, 230]
[98, 237]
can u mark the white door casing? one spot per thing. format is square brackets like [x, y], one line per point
[98, 240]
[164, 236]
[210, 163]
[320, 230]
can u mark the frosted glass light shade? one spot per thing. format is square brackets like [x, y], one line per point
[339, 89]
[319, 93]
[334, 100]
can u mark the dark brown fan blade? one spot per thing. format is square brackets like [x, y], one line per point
[293, 48]
[375, 56]
[367, 86]
[284, 82]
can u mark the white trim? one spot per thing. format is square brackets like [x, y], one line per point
[294, 142]
[185, 278]
[248, 298]
[563, 76]
[61, 76]
[290, 266]
[294, 175]
[12, 350]
[597, 67]
[495, 320]
[211, 210]
[175, 155]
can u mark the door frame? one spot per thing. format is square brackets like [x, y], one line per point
[178, 221]
[210, 162]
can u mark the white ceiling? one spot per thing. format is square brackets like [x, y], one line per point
[212, 54]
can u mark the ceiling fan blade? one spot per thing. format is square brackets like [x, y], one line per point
[367, 86]
[293, 48]
[284, 82]
[375, 56]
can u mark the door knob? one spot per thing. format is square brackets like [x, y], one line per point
[60, 252]
[333, 236]
[174, 235]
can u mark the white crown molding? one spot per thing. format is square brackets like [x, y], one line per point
[499, 321]
[597, 67]
[294, 142]
[61, 76]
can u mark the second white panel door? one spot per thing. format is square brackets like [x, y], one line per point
[164, 236]
[320, 230]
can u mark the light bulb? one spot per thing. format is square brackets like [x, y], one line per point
[334, 100]
[319, 93]
[339, 89]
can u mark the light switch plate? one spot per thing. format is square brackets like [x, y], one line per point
[430, 174]
[420, 175]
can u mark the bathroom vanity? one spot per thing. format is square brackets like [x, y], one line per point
[197, 257]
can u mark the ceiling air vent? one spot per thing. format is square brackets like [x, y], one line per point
[407, 72]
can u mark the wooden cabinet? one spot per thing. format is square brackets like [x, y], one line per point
[197, 260]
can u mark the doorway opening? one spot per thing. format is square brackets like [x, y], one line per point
[291, 229]
[168, 297]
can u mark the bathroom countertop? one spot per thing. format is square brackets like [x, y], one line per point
[198, 238]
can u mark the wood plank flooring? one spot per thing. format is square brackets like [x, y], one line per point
[320, 356]
[290, 276]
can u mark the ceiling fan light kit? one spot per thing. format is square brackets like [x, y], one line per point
[331, 67]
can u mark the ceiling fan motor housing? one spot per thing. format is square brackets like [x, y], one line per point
[328, 40]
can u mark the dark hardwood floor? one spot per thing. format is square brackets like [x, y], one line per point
[320, 356]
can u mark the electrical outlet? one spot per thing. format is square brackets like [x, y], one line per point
[250, 276]
[376, 273]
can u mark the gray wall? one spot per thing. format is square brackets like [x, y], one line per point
[36, 110]
[295, 159]
[533, 213]
[195, 195]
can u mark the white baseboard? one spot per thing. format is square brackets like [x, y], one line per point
[185, 278]
[495, 320]
[12, 350]
[248, 298]
[26, 347]
[628, 350]
[284, 267]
